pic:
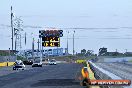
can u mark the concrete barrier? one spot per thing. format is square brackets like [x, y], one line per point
[100, 73]
[2, 64]
[7, 60]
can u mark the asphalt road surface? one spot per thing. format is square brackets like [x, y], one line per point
[9, 70]
[50, 76]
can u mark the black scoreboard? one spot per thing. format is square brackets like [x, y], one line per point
[50, 38]
[50, 33]
[51, 41]
[51, 44]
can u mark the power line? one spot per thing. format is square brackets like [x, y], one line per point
[68, 28]
[23, 26]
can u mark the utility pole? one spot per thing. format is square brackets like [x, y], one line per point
[25, 39]
[33, 49]
[38, 45]
[116, 50]
[15, 39]
[25, 46]
[73, 42]
[126, 50]
[67, 43]
[20, 42]
[12, 26]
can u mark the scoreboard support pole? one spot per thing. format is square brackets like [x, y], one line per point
[57, 51]
[42, 51]
[41, 46]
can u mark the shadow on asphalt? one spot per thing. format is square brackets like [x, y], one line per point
[56, 82]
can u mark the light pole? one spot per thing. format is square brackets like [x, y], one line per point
[12, 27]
[73, 42]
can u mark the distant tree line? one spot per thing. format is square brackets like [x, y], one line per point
[86, 53]
[5, 53]
[103, 52]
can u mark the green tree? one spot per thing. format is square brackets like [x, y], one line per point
[89, 53]
[83, 51]
[102, 51]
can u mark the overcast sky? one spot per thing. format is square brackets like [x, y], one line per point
[109, 22]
